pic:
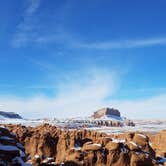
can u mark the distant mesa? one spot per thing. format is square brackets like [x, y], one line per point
[104, 117]
[106, 112]
[10, 115]
[110, 117]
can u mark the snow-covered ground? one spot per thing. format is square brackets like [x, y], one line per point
[151, 126]
[111, 117]
[26, 122]
[141, 125]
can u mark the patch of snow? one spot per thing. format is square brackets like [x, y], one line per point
[150, 143]
[146, 154]
[29, 161]
[37, 156]
[111, 117]
[77, 148]
[6, 138]
[162, 160]
[50, 158]
[137, 153]
[45, 161]
[8, 148]
[141, 135]
[118, 140]
[99, 145]
[20, 146]
[53, 163]
[133, 143]
[22, 154]
[20, 161]
[124, 150]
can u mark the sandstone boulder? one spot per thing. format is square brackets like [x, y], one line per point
[91, 147]
[140, 159]
[112, 146]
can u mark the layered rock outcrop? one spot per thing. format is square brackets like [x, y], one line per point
[48, 145]
[106, 112]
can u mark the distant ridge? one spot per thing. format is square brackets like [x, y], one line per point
[10, 115]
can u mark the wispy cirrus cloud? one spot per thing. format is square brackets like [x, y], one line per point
[35, 29]
[30, 31]
[26, 30]
[32, 7]
[129, 43]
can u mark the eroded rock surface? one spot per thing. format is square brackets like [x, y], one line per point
[49, 145]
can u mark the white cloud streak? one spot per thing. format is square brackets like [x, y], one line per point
[25, 29]
[136, 43]
[87, 93]
[75, 98]
[149, 108]
[28, 32]
[32, 8]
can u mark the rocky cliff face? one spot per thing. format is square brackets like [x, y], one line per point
[159, 143]
[106, 112]
[47, 144]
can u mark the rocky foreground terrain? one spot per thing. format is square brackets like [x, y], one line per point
[11, 151]
[49, 145]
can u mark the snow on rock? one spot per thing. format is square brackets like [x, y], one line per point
[162, 160]
[6, 138]
[22, 154]
[20, 146]
[8, 148]
[48, 160]
[11, 151]
[19, 161]
[133, 143]
[77, 148]
[141, 135]
[37, 156]
[118, 140]
[97, 145]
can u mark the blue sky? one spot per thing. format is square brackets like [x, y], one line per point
[71, 57]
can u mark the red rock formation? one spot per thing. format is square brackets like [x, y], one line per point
[106, 111]
[159, 143]
[47, 144]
